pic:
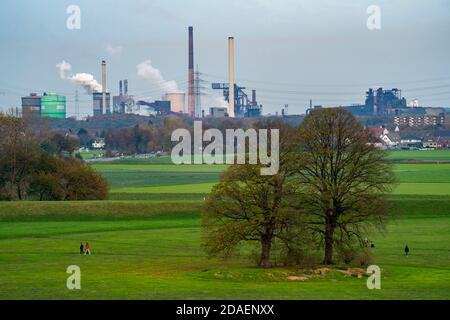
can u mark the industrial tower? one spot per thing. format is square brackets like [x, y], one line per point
[191, 79]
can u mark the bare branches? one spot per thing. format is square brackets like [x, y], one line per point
[342, 176]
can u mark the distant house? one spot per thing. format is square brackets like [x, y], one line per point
[391, 140]
[98, 144]
[385, 138]
[435, 143]
[377, 132]
[411, 141]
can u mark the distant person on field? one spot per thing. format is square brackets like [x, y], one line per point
[88, 248]
[81, 248]
[406, 250]
[372, 246]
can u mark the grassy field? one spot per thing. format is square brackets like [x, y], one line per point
[156, 254]
[420, 155]
[146, 243]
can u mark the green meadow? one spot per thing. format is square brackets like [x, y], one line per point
[146, 241]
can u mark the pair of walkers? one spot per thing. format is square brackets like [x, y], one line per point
[85, 249]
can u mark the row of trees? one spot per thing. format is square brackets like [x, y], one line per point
[156, 136]
[37, 166]
[329, 192]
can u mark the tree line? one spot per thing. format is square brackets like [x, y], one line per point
[329, 193]
[39, 165]
[156, 134]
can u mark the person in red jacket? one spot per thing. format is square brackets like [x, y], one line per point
[88, 248]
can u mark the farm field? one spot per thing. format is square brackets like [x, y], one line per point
[146, 243]
[420, 155]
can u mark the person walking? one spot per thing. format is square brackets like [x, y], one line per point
[406, 250]
[372, 246]
[81, 248]
[88, 248]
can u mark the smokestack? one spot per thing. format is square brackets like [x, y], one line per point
[103, 87]
[125, 84]
[191, 94]
[120, 88]
[253, 97]
[231, 76]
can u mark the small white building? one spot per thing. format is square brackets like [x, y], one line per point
[99, 144]
[391, 140]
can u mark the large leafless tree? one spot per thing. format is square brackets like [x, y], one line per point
[343, 177]
[249, 207]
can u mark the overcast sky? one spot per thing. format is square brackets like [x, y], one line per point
[290, 51]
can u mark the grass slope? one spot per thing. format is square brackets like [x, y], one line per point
[159, 256]
[147, 241]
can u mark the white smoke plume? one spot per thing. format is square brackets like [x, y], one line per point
[86, 80]
[220, 102]
[114, 51]
[63, 67]
[146, 71]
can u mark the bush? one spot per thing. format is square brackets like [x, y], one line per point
[67, 179]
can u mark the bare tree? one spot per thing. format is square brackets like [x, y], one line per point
[344, 178]
[248, 207]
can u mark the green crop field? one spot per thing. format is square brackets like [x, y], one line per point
[420, 155]
[146, 242]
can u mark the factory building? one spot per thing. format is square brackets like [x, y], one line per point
[31, 106]
[177, 101]
[49, 105]
[123, 103]
[239, 104]
[159, 106]
[243, 106]
[218, 112]
[101, 100]
[97, 98]
[385, 102]
[53, 106]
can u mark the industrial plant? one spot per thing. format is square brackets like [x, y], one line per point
[174, 102]
[234, 103]
[49, 105]
[391, 104]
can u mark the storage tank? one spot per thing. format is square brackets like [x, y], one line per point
[31, 106]
[53, 106]
[177, 101]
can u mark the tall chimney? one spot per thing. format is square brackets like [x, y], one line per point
[125, 84]
[254, 98]
[231, 76]
[120, 88]
[191, 93]
[103, 87]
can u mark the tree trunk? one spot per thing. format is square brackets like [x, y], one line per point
[19, 192]
[266, 244]
[329, 231]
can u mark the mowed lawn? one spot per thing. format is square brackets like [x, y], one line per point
[159, 256]
[146, 243]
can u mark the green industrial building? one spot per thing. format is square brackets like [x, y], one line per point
[53, 106]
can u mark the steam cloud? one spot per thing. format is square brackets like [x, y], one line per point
[86, 80]
[114, 51]
[146, 71]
